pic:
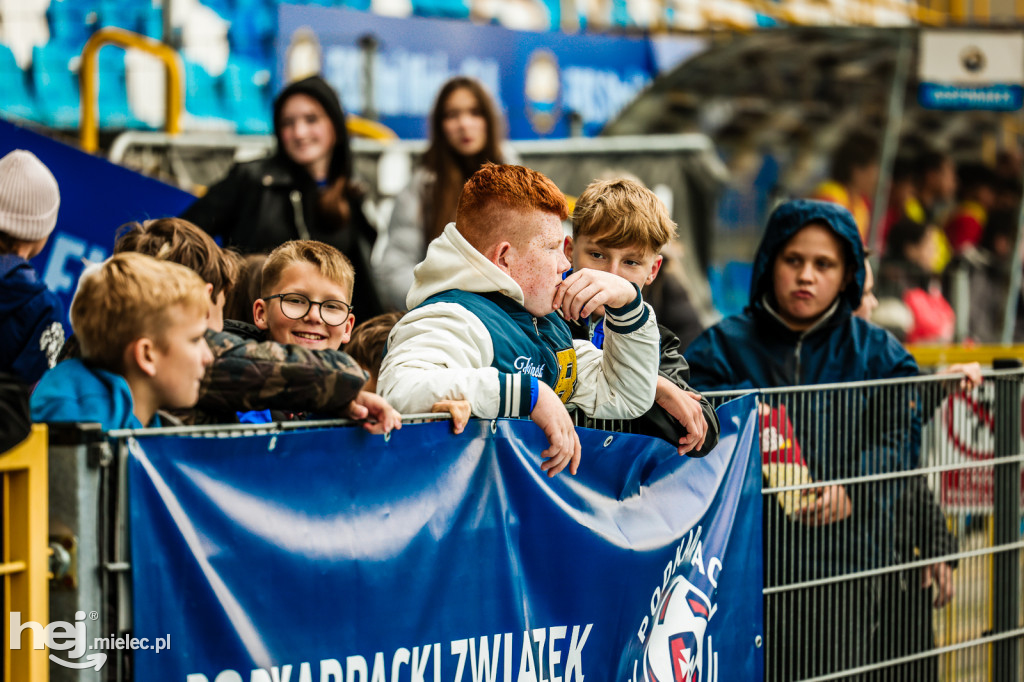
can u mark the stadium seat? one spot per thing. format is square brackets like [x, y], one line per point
[16, 101]
[452, 9]
[126, 15]
[113, 93]
[71, 21]
[153, 22]
[253, 29]
[56, 84]
[203, 98]
[247, 95]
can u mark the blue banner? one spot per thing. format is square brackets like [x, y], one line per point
[538, 79]
[966, 97]
[339, 556]
[96, 197]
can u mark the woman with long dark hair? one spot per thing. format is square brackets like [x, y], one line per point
[466, 132]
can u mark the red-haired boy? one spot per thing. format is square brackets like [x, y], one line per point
[483, 325]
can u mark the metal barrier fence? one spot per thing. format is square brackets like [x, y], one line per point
[893, 529]
[918, 474]
[23, 557]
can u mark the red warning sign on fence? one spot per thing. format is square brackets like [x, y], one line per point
[968, 422]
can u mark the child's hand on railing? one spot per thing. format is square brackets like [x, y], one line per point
[832, 505]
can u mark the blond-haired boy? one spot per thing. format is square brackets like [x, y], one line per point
[620, 226]
[306, 295]
[141, 325]
[305, 301]
[250, 372]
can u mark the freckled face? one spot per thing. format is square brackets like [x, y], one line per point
[537, 264]
[809, 273]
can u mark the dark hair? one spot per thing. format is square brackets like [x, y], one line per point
[451, 169]
[1001, 223]
[928, 161]
[973, 176]
[903, 234]
[321, 91]
[179, 241]
[858, 150]
[246, 289]
[366, 346]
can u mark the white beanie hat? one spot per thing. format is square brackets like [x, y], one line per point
[29, 197]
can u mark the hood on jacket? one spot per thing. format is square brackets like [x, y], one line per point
[788, 219]
[74, 392]
[18, 281]
[454, 263]
[317, 88]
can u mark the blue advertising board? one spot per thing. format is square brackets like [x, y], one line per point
[965, 98]
[96, 197]
[537, 78]
[341, 556]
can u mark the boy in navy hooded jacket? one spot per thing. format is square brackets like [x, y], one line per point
[31, 333]
[799, 329]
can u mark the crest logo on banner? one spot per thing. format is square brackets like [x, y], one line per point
[674, 652]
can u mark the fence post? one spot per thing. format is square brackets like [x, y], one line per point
[1006, 497]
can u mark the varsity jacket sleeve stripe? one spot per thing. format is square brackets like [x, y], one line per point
[443, 352]
[619, 381]
[515, 395]
[628, 318]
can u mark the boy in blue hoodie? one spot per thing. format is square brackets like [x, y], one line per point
[141, 324]
[31, 333]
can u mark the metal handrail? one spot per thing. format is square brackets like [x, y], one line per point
[111, 35]
[24, 562]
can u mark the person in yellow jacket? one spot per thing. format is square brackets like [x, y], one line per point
[855, 167]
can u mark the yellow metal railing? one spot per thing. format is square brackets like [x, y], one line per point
[364, 127]
[89, 135]
[24, 555]
[742, 16]
[933, 356]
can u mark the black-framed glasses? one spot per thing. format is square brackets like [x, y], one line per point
[296, 306]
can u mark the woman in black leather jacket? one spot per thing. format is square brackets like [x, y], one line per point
[303, 191]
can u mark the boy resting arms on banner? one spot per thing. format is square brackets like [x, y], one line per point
[306, 290]
[483, 325]
[248, 372]
[141, 324]
[620, 226]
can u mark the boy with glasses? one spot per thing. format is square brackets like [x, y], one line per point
[306, 302]
[306, 294]
[250, 371]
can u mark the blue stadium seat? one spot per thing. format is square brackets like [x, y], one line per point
[153, 22]
[203, 97]
[361, 5]
[16, 101]
[247, 95]
[71, 21]
[127, 15]
[113, 91]
[253, 28]
[453, 9]
[56, 85]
